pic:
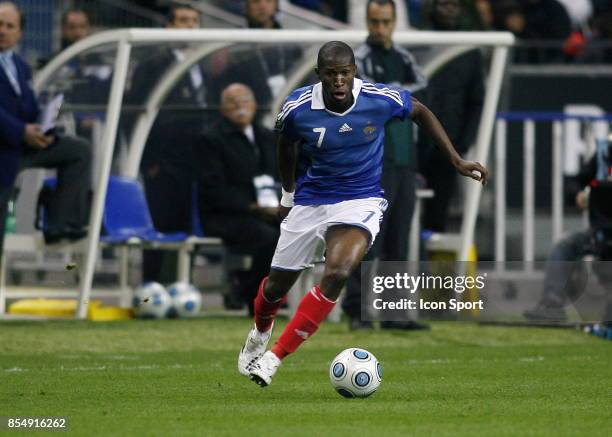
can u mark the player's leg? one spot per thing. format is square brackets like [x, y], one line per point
[294, 252]
[352, 303]
[346, 246]
[351, 228]
[271, 295]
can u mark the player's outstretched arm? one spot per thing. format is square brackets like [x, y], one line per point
[426, 120]
[287, 153]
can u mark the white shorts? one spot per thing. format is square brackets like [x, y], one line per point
[303, 231]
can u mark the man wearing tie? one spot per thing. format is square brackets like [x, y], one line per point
[23, 144]
[167, 161]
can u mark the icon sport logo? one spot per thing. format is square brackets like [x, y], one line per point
[345, 128]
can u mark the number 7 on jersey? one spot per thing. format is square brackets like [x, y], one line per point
[321, 132]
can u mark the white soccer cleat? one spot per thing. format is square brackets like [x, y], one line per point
[254, 347]
[265, 368]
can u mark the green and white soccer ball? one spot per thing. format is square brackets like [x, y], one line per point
[355, 373]
[186, 300]
[151, 301]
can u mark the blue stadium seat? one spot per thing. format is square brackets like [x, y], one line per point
[127, 223]
[126, 214]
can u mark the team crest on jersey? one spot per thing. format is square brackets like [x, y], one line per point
[369, 130]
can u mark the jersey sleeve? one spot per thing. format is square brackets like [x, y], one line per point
[399, 102]
[285, 120]
[401, 107]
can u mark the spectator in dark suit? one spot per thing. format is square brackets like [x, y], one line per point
[75, 26]
[24, 145]
[167, 161]
[86, 78]
[229, 155]
[261, 14]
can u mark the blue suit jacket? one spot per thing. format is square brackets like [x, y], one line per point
[15, 112]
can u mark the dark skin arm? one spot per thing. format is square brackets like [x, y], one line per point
[427, 121]
[287, 152]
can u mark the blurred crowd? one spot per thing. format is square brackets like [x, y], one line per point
[550, 30]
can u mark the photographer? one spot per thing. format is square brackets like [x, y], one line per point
[563, 266]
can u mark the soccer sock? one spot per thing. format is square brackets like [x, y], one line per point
[265, 311]
[313, 309]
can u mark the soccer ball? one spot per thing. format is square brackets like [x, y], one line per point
[151, 301]
[355, 373]
[186, 300]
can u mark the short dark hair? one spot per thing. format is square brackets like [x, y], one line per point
[246, 3]
[72, 11]
[22, 20]
[381, 3]
[171, 16]
[335, 50]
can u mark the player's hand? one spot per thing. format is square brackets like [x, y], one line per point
[34, 137]
[474, 170]
[283, 211]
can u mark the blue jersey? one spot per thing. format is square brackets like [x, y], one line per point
[341, 154]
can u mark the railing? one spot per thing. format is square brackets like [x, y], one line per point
[560, 122]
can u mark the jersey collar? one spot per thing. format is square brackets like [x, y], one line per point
[317, 97]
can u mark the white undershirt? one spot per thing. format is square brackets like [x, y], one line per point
[250, 134]
[194, 72]
[579, 11]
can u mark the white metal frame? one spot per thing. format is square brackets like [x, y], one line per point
[530, 123]
[156, 98]
[125, 38]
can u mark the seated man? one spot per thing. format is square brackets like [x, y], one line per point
[24, 145]
[229, 156]
[562, 282]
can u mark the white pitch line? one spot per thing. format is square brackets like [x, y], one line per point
[101, 368]
[15, 369]
[432, 361]
[531, 359]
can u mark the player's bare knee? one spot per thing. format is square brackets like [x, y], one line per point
[333, 281]
[273, 290]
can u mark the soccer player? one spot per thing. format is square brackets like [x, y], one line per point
[331, 193]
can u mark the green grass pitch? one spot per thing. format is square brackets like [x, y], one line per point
[171, 378]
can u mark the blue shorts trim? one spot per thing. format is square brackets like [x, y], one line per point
[284, 269]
